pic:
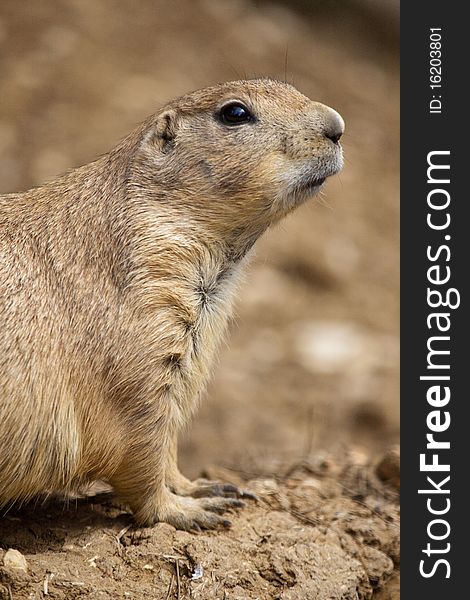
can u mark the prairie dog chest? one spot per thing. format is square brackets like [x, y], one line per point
[193, 311]
[215, 291]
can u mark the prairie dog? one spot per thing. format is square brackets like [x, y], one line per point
[116, 285]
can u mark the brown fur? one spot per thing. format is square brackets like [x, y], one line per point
[116, 284]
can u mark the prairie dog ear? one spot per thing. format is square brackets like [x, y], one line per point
[164, 130]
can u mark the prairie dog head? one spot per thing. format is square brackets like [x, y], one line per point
[244, 151]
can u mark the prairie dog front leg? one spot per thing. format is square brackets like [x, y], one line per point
[199, 488]
[142, 484]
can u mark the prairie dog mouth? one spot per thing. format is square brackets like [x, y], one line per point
[309, 178]
[300, 180]
[313, 182]
[314, 174]
[301, 184]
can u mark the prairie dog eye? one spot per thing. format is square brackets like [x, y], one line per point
[235, 113]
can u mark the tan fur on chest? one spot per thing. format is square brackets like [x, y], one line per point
[183, 317]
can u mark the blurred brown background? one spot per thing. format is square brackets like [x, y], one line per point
[312, 360]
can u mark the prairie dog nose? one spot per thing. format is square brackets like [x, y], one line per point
[334, 125]
[328, 122]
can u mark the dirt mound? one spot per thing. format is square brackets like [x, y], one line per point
[326, 529]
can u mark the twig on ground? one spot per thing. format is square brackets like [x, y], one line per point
[178, 582]
[169, 587]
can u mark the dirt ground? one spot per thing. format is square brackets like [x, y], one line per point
[311, 366]
[323, 530]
